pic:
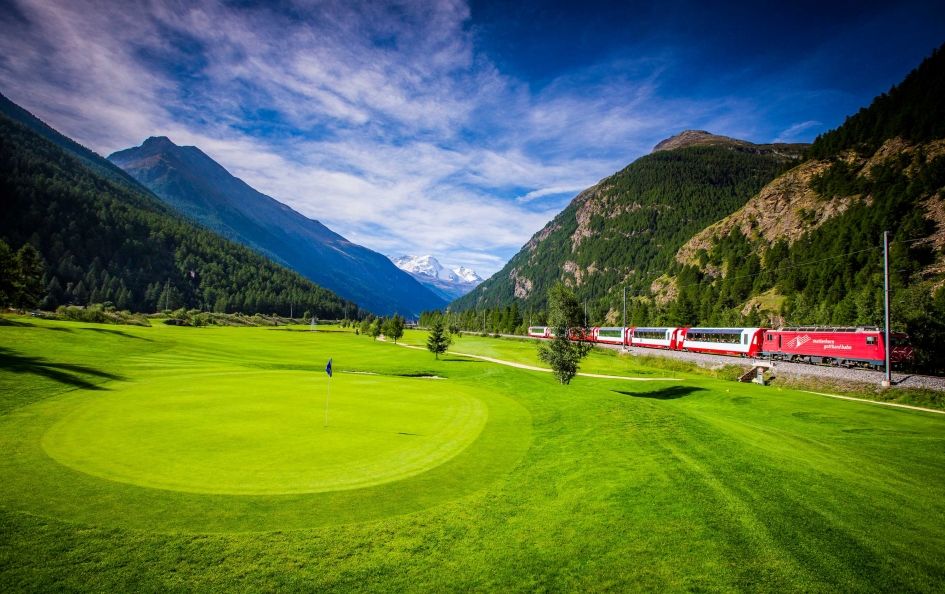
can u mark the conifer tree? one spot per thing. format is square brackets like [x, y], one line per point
[394, 328]
[563, 354]
[439, 339]
[377, 327]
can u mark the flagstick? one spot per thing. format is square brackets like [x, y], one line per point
[327, 396]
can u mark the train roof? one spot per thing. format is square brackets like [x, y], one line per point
[721, 330]
[830, 329]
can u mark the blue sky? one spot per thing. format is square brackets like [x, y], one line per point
[448, 128]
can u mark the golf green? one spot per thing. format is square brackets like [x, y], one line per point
[265, 432]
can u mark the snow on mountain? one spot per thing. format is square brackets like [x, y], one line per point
[467, 274]
[427, 266]
[447, 283]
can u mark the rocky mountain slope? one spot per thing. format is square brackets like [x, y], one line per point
[447, 283]
[200, 188]
[689, 138]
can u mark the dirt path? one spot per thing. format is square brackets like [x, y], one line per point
[894, 404]
[545, 370]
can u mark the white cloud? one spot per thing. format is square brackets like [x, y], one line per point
[792, 132]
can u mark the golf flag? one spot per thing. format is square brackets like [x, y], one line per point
[328, 368]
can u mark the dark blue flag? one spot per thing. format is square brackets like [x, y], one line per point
[328, 368]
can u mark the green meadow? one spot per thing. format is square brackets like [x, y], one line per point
[181, 459]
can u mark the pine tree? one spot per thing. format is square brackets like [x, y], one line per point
[563, 354]
[28, 277]
[7, 274]
[377, 327]
[394, 328]
[439, 339]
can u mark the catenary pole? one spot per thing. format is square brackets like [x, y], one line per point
[887, 381]
[623, 330]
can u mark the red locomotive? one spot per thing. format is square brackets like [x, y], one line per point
[844, 346]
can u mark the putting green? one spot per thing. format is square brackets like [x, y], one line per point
[211, 432]
[264, 432]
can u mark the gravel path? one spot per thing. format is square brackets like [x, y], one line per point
[863, 376]
[546, 370]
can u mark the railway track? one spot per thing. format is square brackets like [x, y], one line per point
[863, 376]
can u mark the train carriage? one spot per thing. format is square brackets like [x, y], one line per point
[738, 342]
[657, 338]
[611, 335]
[539, 331]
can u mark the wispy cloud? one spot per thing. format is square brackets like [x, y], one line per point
[790, 134]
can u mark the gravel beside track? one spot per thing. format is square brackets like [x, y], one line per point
[863, 376]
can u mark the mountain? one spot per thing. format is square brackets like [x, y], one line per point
[200, 188]
[627, 228]
[689, 138]
[105, 238]
[447, 283]
[467, 274]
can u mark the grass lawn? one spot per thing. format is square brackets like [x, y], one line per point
[167, 458]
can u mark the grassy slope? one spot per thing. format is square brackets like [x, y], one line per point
[696, 484]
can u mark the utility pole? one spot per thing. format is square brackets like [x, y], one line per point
[887, 381]
[585, 313]
[623, 330]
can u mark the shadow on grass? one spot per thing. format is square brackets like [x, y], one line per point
[452, 360]
[121, 333]
[671, 393]
[19, 324]
[64, 373]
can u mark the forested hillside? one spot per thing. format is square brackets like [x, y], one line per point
[106, 239]
[631, 224]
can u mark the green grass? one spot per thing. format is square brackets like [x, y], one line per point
[164, 458]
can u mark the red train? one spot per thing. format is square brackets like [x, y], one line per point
[861, 346]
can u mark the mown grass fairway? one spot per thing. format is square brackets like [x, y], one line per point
[247, 432]
[163, 458]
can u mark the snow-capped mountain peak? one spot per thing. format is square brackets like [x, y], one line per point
[427, 266]
[448, 283]
[467, 274]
